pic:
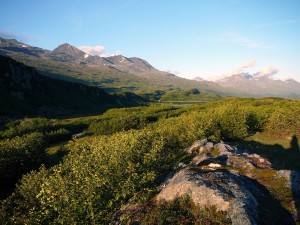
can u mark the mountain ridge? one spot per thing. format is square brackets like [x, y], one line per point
[70, 54]
[258, 86]
[119, 73]
[132, 74]
[261, 84]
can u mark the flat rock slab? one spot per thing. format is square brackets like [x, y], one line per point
[222, 189]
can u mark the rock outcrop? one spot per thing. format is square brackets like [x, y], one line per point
[224, 176]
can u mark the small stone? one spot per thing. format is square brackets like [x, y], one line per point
[194, 149]
[214, 165]
[261, 160]
[255, 156]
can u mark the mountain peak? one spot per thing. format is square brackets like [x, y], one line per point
[247, 76]
[68, 49]
[11, 43]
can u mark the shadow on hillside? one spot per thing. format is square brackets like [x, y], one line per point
[281, 159]
[271, 212]
[56, 158]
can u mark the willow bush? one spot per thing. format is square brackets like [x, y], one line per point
[20, 155]
[98, 176]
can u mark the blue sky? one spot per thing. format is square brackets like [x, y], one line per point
[190, 38]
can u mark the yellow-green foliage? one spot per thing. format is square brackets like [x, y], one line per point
[19, 155]
[97, 177]
[100, 175]
[115, 120]
[55, 130]
[284, 122]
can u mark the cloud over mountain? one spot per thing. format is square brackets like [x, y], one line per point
[97, 50]
[93, 50]
[243, 66]
[10, 35]
[267, 72]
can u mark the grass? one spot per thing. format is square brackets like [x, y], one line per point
[55, 153]
[265, 138]
[284, 154]
[180, 211]
[281, 152]
[275, 185]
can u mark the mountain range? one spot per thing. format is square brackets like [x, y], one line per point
[256, 85]
[119, 73]
[70, 54]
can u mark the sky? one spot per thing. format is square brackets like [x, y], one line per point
[190, 38]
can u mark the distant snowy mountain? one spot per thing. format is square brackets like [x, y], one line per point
[247, 76]
[261, 85]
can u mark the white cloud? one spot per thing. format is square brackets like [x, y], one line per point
[92, 50]
[19, 37]
[216, 77]
[278, 23]
[245, 65]
[242, 67]
[176, 72]
[242, 40]
[7, 35]
[267, 72]
[97, 50]
[110, 54]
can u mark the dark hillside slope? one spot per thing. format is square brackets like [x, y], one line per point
[24, 92]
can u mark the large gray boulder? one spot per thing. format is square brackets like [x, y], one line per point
[221, 175]
[222, 189]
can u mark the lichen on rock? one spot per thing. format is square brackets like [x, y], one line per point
[225, 181]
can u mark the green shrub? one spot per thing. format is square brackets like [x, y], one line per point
[61, 134]
[20, 155]
[232, 122]
[284, 123]
[55, 130]
[97, 177]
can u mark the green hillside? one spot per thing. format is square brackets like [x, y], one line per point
[112, 79]
[24, 92]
